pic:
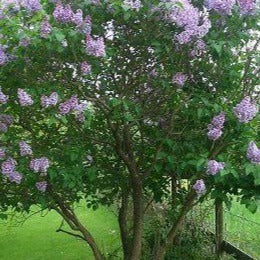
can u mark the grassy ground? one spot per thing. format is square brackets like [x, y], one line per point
[242, 228]
[36, 239]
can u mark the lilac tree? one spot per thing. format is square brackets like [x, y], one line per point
[119, 101]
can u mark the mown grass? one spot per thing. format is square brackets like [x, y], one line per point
[36, 239]
[242, 228]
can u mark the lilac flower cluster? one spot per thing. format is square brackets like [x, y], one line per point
[52, 100]
[222, 7]
[215, 127]
[40, 165]
[67, 106]
[179, 79]
[13, 4]
[3, 98]
[45, 28]
[73, 105]
[95, 47]
[253, 153]
[85, 68]
[25, 42]
[246, 110]
[77, 18]
[25, 149]
[3, 56]
[214, 167]
[247, 6]
[86, 26]
[63, 14]
[41, 186]
[31, 5]
[199, 187]
[198, 49]
[133, 4]
[8, 169]
[2, 153]
[5, 122]
[24, 98]
[186, 16]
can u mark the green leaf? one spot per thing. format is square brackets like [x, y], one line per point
[60, 36]
[257, 178]
[252, 207]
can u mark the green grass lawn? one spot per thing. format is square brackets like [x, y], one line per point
[36, 239]
[242, 228]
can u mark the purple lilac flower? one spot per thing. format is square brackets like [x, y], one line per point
[217, 121]
[222, 7]
[87, 25]
[185, 15]
[214, 134]
[215, 127]
[3, 57]
[2, 153]
[40, 165]
[73, 105]
[3, 127]
[199, 187]
[6, 119]
[63, 14]
[253, 153]
[184, 37]
[199, 48]
[5, 122]
[25, 42]
[8, 166]
[3, 98]
[67, 106]
[52, 100]
[214, 167]
[41, 186]
[180, 79]
[14, 4]
[24, 98]
[31, 5]
[79, 112]
[85, 68]
[25, 149]
[247, 6]
[15, 177]
[133, 4]
[95, 47]
[246, 110]
[77, 18]
[45, 29]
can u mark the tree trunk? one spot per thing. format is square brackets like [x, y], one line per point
[175, 228]
[70, 217]
[90, 240]
[137, 218]
[122, 219]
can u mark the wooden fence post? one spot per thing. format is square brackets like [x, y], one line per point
[219, 226]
